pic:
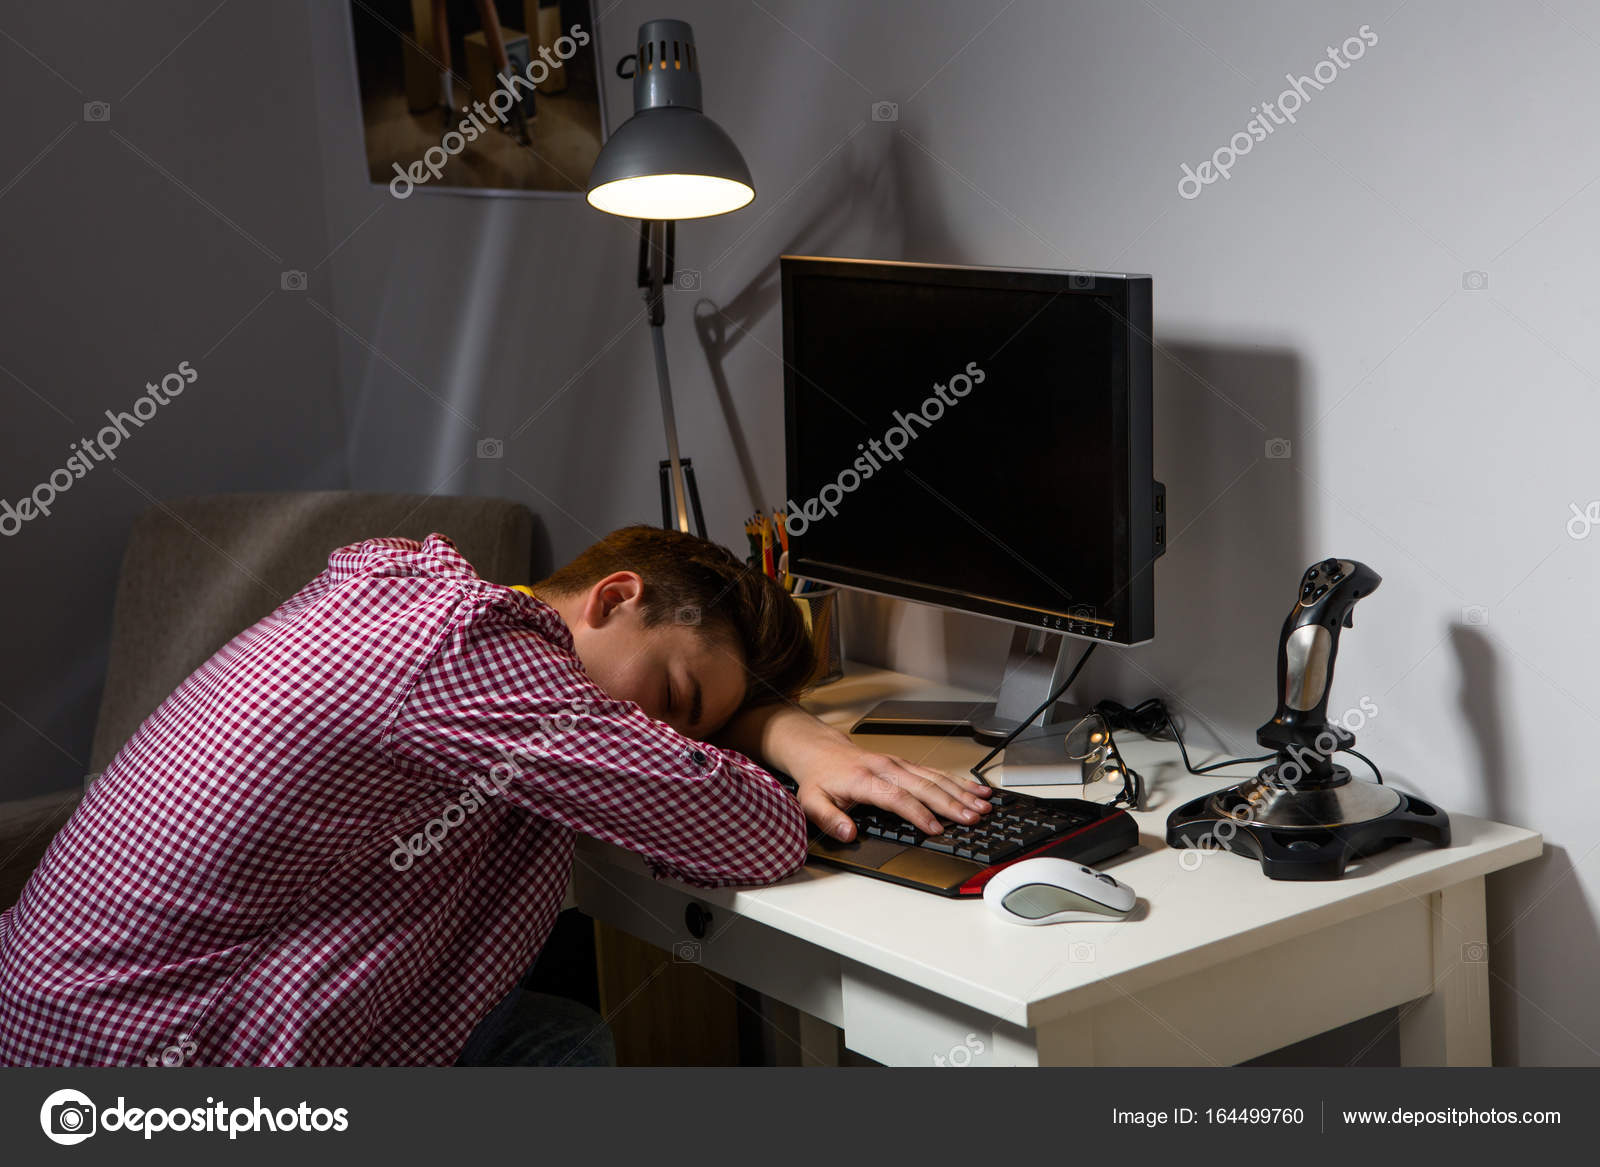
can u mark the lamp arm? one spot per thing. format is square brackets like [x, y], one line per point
[655, 269]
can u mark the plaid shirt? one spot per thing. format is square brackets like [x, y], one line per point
[347, 834]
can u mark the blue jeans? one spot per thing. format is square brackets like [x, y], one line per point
[537, 1029]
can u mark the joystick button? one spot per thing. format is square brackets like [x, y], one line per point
[1331, 567]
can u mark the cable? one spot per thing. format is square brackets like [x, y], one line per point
[1376, 773]
[1150, 717]
[1029, 720]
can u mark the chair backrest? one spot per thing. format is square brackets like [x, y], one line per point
[198, 571]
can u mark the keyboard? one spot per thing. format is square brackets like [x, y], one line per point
[964, 857]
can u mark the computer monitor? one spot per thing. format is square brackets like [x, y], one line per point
[980, 439]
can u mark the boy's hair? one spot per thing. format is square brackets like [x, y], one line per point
[689, 580]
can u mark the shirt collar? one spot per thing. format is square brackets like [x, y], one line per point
[549, 622]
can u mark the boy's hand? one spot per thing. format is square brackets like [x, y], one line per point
[833, 773]
[838, 776]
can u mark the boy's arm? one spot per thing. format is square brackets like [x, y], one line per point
[499, 713]
[834, 774]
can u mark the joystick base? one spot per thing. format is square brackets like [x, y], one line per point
[1310, 849]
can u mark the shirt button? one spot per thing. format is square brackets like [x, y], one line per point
[698, 757]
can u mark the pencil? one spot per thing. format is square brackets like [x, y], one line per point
[780, 520]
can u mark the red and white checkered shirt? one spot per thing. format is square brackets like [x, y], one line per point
[348, 833]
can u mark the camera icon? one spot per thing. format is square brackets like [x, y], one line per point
[97, 111]
[1081, 611]
[1474, 281]
[686, 280]
[686, 952]
[1081, 952]
[1475, 614]
[1279, 448]
[1080, 281]
[688, 614]
[490, 449]
[885, 111]
[68, 1117]
[292, 281]
[72, 1118]
[1474, 952]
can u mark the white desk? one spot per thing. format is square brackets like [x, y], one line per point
[1217, 965]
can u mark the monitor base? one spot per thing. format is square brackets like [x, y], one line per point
[1036, 665]
[975, 718]
[1034, 757]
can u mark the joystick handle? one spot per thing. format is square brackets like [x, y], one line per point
[1307, 648]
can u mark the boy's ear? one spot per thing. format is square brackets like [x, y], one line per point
[609, 595]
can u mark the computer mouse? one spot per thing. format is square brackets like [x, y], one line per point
[1056, 891]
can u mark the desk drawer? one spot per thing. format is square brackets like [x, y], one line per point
[670, 915]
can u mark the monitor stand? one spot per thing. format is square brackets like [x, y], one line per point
[1038, 662]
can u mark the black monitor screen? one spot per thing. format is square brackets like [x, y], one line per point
[963, 443]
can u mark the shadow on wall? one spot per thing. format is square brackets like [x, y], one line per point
[1481, 700]
[1225, 420]
[1544, 885]
[1236, 520]
[1527, 998]
[874, 192]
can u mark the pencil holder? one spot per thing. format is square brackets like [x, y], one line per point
[820, 610]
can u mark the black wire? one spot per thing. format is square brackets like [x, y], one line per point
[976, 770]
[1150, 717]
[1376, 773]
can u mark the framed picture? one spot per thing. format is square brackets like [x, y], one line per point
[479, 97]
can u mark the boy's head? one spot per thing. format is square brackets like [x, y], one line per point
[680, 627]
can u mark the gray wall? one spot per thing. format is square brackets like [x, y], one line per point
[1438, 432]
[127, 246]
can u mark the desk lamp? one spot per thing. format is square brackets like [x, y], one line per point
[667, 162]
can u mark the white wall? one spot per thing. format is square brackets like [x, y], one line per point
[1438, 433]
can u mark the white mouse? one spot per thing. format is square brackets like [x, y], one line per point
[1056, 891]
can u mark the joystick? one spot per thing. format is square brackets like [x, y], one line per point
[1304, 816]
[1307, 647]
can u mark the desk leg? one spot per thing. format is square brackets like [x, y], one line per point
[1450, 1026]
[819, 1041]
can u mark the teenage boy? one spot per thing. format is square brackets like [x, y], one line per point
[345, 837]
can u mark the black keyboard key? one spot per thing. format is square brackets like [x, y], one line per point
[940, 844]
[908, 836]
[983, 855]
[964, 852]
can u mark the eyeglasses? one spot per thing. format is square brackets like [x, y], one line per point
[1088, 743]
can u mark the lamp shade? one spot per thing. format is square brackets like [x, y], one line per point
[669, 160]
